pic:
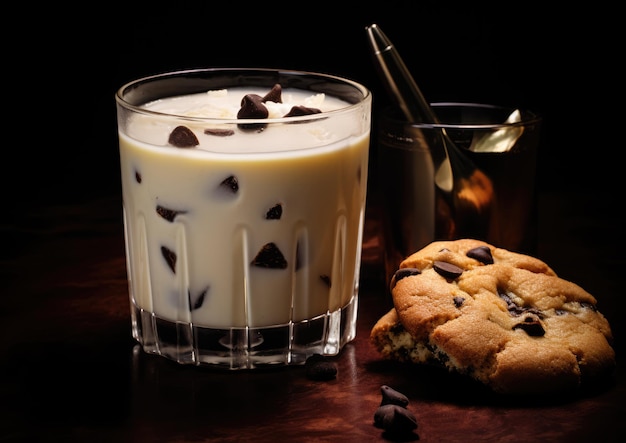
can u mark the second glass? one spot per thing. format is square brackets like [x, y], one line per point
[485, 189]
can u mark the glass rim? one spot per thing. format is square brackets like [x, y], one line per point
[529, 117]
[137, 108]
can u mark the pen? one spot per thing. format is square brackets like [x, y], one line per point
[469, 190]
[398, 79]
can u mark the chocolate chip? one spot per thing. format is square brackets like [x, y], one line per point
[275, 94]
[504, 296]
[516, 310]
[447, 270]
[399, 329]
[170, 258]
[395, 419]
[318, 367]
[393, 397]
[326, 279]
[406, 272]
[270, 257]
[392, 415]
[199, 300]
[168, 214]
[252, 107]
[513, 308]
[275, 212]
[532, 326]
[534, 311]
[258, 127]
[231, 184]
[314, 358]
[587, 305]
[183, 137]
[297, 111]
[482, 254]
[219, 132]
[458, 301]
[403, 273]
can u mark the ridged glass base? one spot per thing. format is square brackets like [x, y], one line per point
[245, 348]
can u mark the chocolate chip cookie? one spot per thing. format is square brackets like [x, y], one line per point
[502, 318]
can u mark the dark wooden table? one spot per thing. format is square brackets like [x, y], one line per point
[71, 372]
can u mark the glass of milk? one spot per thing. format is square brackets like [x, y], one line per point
[243, 198]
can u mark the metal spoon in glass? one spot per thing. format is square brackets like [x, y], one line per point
[468, 190]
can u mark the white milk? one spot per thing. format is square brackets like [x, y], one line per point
[216, 233]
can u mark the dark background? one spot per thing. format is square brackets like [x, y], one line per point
[560, 62]
[64, 276]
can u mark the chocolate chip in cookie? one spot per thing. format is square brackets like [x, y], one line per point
[447, 270]
[482, 254]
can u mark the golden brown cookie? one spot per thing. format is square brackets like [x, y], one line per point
[503, 318]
